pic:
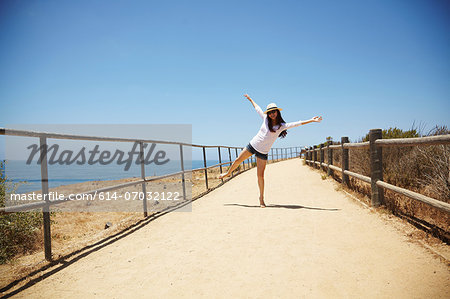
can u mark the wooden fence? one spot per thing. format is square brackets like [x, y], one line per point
[276, 154]
[375, 145]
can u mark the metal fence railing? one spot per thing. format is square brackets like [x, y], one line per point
[275, 155]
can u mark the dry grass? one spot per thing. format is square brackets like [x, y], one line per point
[422, 169]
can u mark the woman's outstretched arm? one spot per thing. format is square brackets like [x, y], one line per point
[257, 108]
[315, 119]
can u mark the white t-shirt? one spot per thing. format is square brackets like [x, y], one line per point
[263, 141]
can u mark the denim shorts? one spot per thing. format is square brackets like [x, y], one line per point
[257, 154]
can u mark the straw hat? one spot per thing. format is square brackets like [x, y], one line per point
[272, 106]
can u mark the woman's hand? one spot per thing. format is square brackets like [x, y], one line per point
[316, 119]
[254, 105]
[248, 98]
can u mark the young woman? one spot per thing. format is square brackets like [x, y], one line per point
[273, 126]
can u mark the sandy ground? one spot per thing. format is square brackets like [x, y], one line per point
[76, 225]
[311, 241]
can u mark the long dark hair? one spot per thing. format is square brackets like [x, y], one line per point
[279, 120]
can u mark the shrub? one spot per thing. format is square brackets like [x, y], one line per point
[19, 231]
[397, 133]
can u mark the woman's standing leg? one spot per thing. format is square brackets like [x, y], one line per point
[260, 167]
[242, 156]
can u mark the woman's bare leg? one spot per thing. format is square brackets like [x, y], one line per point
[260, 167]
[242, 156]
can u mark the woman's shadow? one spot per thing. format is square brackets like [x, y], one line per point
[292, 207]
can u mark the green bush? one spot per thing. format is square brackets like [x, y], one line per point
[19, 231]
[397, 133]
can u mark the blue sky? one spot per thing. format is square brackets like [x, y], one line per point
[359, 64]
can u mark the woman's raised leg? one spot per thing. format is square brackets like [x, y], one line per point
[260, 168]
[242, 156]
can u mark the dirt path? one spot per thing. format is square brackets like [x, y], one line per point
[313, 242]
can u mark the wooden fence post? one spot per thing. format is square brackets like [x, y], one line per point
[321, 157]
[345, 179]
[376, 167]
[310, 155]
[330, 158]
[315, 156]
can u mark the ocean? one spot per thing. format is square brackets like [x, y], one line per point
[27, 178]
